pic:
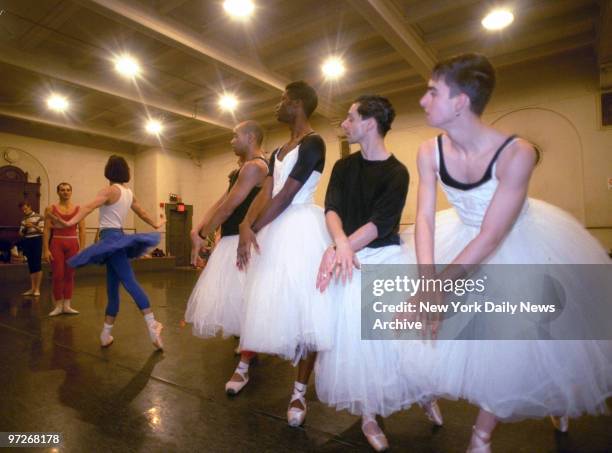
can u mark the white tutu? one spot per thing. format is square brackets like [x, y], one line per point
[530, 378]
[216, 301]
[363, 376]
[285, 314]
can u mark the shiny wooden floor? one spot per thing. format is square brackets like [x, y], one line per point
[128, 398]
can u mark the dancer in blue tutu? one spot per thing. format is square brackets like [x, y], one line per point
[114, 249]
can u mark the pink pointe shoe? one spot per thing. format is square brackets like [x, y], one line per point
[480, 442]
[297, 415]
[234, 387]
[374, 435]
[155, 335]
[433, 412]
[561, 424]
[106, 339]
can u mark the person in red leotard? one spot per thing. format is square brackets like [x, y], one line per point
[59, 244]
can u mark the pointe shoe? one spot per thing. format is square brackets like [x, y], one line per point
[480, 442]
[378, 441]
[234, 387]
[106, 340]
[561, 424]
[29, 292]
[67, 309]
[433, 412]
[36, 293]
[56, 311]
[296, 415]
[155, 335]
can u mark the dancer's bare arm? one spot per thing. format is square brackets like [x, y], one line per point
[426, 207]
[251, 175]
[247, 236]
[47, 236]
[82, 234]
[140, 212]
[102, 197]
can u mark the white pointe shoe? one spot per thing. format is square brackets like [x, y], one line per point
[561, 424]
[58, 310]
[296, 415]
[480, 442]
[67, 309]
[106, 339]
[376, 438]
[234, 387]
[433, 412]
[29, 292]
[155, 335]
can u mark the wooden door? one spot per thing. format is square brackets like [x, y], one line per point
[178, 227]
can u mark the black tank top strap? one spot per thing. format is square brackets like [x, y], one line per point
[448, 180]
[498, 152]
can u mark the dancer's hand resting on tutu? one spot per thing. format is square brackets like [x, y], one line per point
[196, 246]
[326, 268]
[248, 239]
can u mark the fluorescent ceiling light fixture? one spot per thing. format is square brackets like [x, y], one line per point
[57, 103]
[333, 68]
[154, 127]
[497, 19]
[228, 102]
[240, 9]
[127, 66]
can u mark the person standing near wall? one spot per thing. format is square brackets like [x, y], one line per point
[31, 230]
[59, 245]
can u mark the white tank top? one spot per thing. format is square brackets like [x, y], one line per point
[113, 215]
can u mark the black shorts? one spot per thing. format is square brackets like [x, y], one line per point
[32, 249]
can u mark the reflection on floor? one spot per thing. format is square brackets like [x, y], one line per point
[128, 398]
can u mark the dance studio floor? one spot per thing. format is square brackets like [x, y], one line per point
[55, 377]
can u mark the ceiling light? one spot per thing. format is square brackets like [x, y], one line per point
[497, 19]
[228, 102]
[240, 9]
[127, 66]
[154, 127]
[333, 68]
[57, 103]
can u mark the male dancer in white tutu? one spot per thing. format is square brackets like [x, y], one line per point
[363, 207]
[284, 313]
[485, 175]
[216, 301]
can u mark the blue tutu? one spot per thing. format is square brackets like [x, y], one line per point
[111, 241]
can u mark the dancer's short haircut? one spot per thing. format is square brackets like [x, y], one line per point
[63, 184]
[379, 108]
[253, 127]
[24, 203]
[117, 169]
[469, 73]
[301, 91]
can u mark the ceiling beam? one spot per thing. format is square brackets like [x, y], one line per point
[170, 5]
[403, 37]
[53, 20]
[172, 33]
[40, 65]
[98, 131]
[433, 8]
